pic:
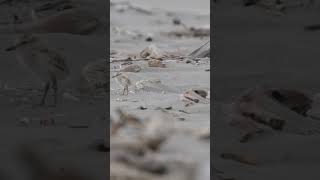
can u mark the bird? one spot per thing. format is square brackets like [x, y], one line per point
[47, 63]
[124, 81]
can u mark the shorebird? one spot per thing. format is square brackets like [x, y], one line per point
[48, 64]
[123, 81]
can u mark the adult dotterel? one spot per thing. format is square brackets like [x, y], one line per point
[47, 63]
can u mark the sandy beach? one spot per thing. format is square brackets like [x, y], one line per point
[60, 143]
[156, 37]
[265, 48]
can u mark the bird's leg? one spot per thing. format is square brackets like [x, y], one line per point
[46, 89]
[55, 89]
[124, 89]
[127, 90]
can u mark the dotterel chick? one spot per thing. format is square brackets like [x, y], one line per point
[48, 64]
[124, 81]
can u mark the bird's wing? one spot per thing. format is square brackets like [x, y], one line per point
[57, 60]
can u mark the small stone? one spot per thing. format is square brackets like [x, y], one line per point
[131, 68]
[176, 21]
[168, 108]
[142, 108]
[149, 39]
[156, 63]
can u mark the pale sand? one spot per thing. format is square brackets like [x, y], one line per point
[176, 78]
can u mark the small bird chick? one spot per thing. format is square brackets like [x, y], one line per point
[124, 81]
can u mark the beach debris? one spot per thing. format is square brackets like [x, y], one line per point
[168, 108]
[142, 108]
[183, 111]
[201, 52]
[131, 68]
[125, 32]
[142, 83]
[176, 21]
[153, 85]
[200, 31]
[195, 96]
[149, 38]
[156, 63]
[152, 51]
